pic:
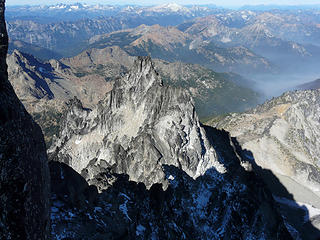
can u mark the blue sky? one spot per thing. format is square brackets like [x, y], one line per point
[145, 2]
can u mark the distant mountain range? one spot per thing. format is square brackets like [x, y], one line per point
[71, 12]
[267, 7]
[275, 36]
[171, 44]
[244, 41]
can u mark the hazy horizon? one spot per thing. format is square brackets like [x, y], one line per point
[225, 3]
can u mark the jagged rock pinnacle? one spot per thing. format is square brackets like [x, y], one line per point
[140, 122]
[143, 63]
[145, 73]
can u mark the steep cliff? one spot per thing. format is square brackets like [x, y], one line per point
[158, 172]
[24, 174]
[283, 136]
[136, 124]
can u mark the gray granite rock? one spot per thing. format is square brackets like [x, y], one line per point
[233, 205]
[283, 135]
[139, 126]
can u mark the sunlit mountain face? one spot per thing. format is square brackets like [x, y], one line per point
[168, 121]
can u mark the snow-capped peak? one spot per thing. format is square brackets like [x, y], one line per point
[58, 6]
[75, 6]
[172, 7]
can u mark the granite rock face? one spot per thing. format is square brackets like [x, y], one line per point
[24, 174]
[159, 173]
[138, 127]
[283, 135]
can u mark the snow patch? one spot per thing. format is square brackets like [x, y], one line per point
[140, 230]
[310, 211]
[125, 196]
[54, 210]
[173, 7]
[42, 70]
[61, 173]
[71, 214]
[59, 6]
[294, 233]
[75, 7]
[97, 209]
[123, 208]
[171, 177]
[225, 40]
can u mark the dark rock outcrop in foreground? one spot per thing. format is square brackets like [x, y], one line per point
[24, 174]
[153, 171]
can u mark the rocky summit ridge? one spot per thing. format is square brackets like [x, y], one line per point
[140, 122]
[153, 171]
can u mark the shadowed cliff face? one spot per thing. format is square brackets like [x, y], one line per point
[3, 44]
[283, 136]
[24, 175]
[233, 205]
